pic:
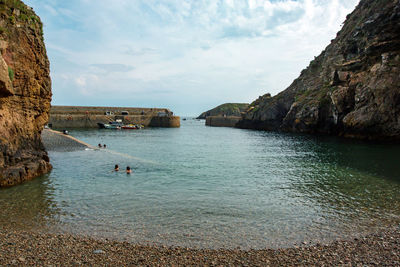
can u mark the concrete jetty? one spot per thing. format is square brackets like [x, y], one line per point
[222, 121]
[88, 117]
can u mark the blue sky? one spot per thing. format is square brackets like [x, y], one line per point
[188, 56]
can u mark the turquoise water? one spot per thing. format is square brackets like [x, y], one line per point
[211, 187]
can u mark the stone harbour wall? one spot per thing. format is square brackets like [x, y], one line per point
[88, 117]
[220, 121]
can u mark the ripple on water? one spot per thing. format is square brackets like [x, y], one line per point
[212, 187]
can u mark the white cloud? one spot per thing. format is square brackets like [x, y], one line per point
[218, 51]
[51, 10]
[80, 81]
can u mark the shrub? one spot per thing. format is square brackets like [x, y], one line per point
[11, 19]
[11, 73]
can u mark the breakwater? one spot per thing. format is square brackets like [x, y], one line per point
[221, 121]
[88, 117]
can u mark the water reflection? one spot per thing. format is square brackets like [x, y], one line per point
[354, 184]
[30, 205]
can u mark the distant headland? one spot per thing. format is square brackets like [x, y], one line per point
[227, 109]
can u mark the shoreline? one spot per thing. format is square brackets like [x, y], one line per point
[34, 248]
[57, 141]
[43, 248]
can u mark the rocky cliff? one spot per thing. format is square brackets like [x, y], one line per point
[228, 109]
[25, 94]
[351, 89]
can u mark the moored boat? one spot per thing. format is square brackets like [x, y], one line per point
[111, 125]
[132, 127]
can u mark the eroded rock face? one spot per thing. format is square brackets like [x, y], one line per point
[25, 94]
[351, 89]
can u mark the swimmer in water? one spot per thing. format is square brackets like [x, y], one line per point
[116, 168]
[128, 170]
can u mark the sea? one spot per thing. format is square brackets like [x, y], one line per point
[209, 187]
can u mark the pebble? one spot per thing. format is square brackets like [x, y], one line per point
[56, 141]
[98, 251]
[381, 249]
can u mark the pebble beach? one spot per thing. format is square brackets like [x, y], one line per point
[19, 248]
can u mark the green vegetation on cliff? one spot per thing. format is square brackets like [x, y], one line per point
[228, 109]
[15, 12]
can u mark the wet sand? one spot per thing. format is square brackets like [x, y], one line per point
[36, 249]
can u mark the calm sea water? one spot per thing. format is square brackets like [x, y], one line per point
[210, 187]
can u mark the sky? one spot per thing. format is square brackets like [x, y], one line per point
[185, 55]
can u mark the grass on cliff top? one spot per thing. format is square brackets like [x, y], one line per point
[227, 109]
[230, 108]
[10, 5]
[9, 11]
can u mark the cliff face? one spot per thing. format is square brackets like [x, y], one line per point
[351, 89]
[228, 109]
[25, 94]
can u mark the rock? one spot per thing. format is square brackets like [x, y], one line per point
[25, 95]
[5, 81]
[351, 89]
[98, 251]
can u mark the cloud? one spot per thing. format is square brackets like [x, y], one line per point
[51, 10]
[113, 67]
[182, 54]
[139, 51]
